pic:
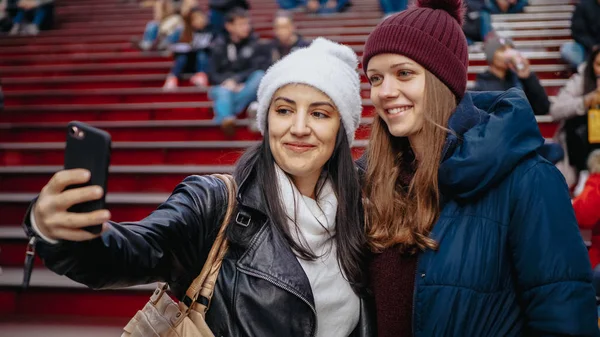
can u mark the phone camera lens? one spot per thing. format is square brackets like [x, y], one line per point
[75, 132]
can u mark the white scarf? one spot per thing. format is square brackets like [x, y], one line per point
[337, 306]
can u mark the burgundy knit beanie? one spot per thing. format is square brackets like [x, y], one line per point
[430, 33]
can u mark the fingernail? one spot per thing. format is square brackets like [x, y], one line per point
[98, 191]
[86, 174]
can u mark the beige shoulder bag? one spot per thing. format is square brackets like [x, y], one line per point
[163, 317]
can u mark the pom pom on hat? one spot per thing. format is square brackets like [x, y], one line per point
[455, 8]
[325, 65]
[340, 51]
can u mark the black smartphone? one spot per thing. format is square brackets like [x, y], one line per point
[88, 148]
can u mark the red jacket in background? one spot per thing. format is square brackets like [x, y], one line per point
[587, 211]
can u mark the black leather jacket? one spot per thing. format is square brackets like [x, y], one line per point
[261, 290]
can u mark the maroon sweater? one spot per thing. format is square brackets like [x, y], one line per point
[393, 284]
[392, 275]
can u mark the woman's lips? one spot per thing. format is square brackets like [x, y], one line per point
[299, 147]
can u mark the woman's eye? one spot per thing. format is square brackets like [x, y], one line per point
[319, 114]
[283, 111]
[374, 79]
[404, 73]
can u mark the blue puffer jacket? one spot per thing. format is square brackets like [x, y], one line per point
[511, 260]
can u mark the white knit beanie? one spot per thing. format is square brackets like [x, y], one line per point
[324, 65]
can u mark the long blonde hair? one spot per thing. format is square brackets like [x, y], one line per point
[399, 216]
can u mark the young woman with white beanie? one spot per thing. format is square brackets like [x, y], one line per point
[296, 249]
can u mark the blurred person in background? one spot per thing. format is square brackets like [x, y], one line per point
[192, 51]
[508, 68]
[392, 6]
[236, 67]
[5, 19]
[478, 22]
[164, 30]
[315, 6]
[506, 6]
[327, 6]
[219, 9]
[585, 30]
[587, 207]
[39, 14]
[570, 107]
[290, 5]
[286, 40]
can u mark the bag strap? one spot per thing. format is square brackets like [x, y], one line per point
[204, 284]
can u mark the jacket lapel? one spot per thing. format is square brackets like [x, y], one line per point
[271, 258]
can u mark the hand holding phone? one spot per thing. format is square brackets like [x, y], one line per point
[51, 213]
[72, 206]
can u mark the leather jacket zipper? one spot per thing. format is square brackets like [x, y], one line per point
[288, 289]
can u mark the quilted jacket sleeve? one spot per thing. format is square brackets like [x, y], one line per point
[553, 272]
[171, 241]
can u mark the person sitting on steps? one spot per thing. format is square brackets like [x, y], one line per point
[286, 40]
[193, 48]
[236, 68]
[39, 12]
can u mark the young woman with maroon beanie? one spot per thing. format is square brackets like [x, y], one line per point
[473, 233]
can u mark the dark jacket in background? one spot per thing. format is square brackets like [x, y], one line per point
[261, 289]
[279, 50]
[532, 87]
[236, 61]
[476, 5]
[201, 41]
[585, 24]
[225, 5]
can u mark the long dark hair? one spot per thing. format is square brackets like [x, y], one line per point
[349, 237]
[188, 30]
[589, 76]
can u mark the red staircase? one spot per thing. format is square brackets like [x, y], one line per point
[87, 70]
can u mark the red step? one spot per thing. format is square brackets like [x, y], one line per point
[113, 69]
[105, 96]
[73, 302]
[35, 50]
[142, 179]
[142, 131]
[42, 40]
[87, 112]
[140, 153]
[85, 82]
[100, 57]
